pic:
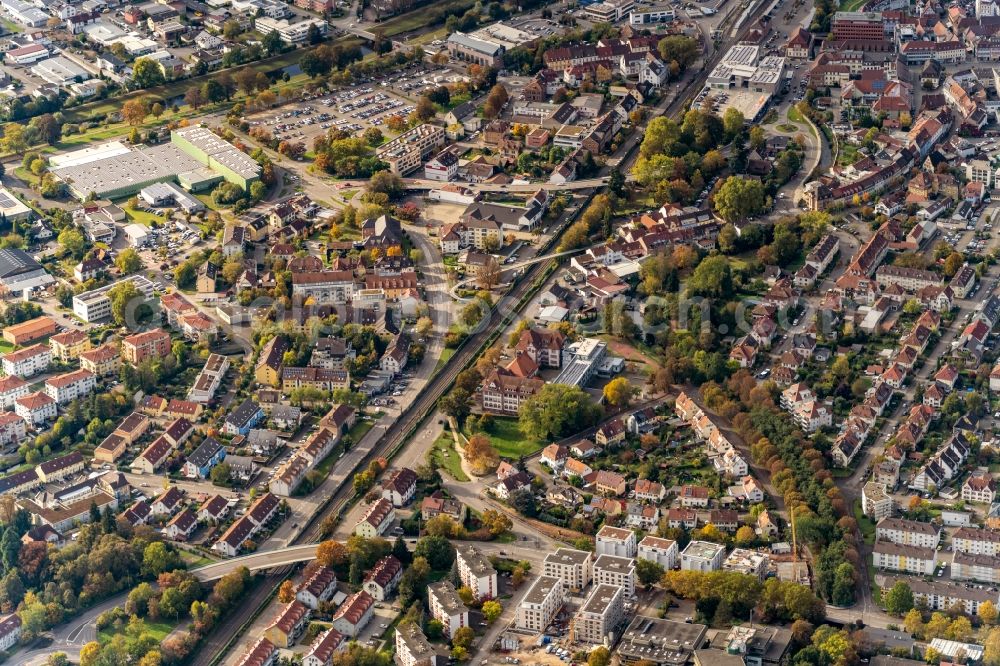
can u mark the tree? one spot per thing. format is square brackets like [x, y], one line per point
[286, 593]
[988, 613]
[991, 648]
[424, 110]
[194, 98]
[258, 190]
[952, 264]
[128, 261]
[481, 455]
[713, 278]
[231, 29]
[125, 301]
[682, 50]
[156, 558]
[463, 637]
[913, 623]
[618, 392]
[960, 629]
[932, 656]
[221, 474]
[423, 327]
[437, 550]
[72, 241]
[648, 572]
[331, 553]
[557, 410]
[740, 199]
[732, 121]
[146, 73]
[899, 599]
[15, 138]
[246, 79]
[496, 522]
[745, 535]
[599, 656]
[386, 182]
[213, 91]
[489, 274]
[492, 610]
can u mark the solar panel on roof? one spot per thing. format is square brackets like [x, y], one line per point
[6, 201]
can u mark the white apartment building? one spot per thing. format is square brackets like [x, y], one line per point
[616, 541]
[747, 562]
[35, 408]
[446, 607]
[70, 386]
[875, 501]
[908, 532]
[573, 567]
[602, 613]
[476, 572]
[980, 568]
[291, 32]
[412, 647]
[613, 570]
[28, 361]
[661, 551]
[540, 604]
[979, 171]
[899, 557]
[12, 387]
[702, 556]
[977, 541]
[408, 151]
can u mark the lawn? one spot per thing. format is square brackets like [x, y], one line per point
[5, 347]
[794, 115]
[446, 355]
[865, 524]
[848, 155]
[509, 441]
[444, 456]
[195, 560]
[158, 630]
[851, 5]
[424, 17]
[141, 216]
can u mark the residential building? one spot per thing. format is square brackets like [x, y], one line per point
[876, 503]
[383, 578]
[540, 605]
[908, 532]
[600, 615]
[656, 549]
[412, 647]
[615, 541]
[319, 588]
[702, 556]
[70, 386]
[573, 567]
[446, 607]
[27, 361]
[476, 572]
[613, 570]
[899, 557]
[152, 344]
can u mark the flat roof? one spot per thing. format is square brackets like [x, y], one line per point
[117, 169]
[541, 589]
[661, 641]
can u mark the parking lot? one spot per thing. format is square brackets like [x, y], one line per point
[355, 110]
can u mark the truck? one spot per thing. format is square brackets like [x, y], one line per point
[707, 11]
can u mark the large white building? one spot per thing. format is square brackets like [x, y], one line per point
[476, 572]
[446, 607]
[661, 551]
[412, 647]
[70, 386]
[875, 501]
[573, 567]
[291, 32]
[977, 541]
[702, 556]
[540, 604]
[616, 541]
[614, 570]
[899, 557]
[908, 532]
[95, 305]
[600, 615]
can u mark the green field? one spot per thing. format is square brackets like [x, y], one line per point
[5, 346]
[423, 17]
[444, 456]
[158, 630]
[195, 560]
[141, 216]
[446, 355]
[509, 441]
[794, 115]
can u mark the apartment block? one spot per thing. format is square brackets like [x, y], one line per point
[661, 551]
[476, 572]
[977, 541]
[908, 532]
[601, 614]
[702, 556]
[899, 557]
[146, 345]
[446, 607]
[573, 567]
[613, 570]
[408, 151]
[616, 541]
[540, 604]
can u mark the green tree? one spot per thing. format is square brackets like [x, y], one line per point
[599, 656]
[713, 278]
[648, 572]
[557, 410]
[128, 261]
[899, 599]
[72, 241]
[437, 550]
[733, 121]
[126, 299]
[492, 610]
[740, 199]
[146, 73]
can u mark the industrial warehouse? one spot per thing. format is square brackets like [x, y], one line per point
[196, 158]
